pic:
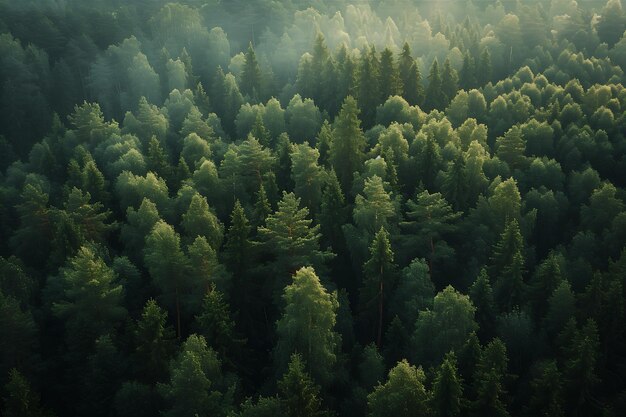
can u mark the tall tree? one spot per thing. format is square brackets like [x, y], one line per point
[348, 145]
[168, 266]
[449, 82]
[410, 77]
[196, 382]
[291, 239]
[307, 175]
[447, 397]
[251, 75]
[307, 327]
[154, 343]
[435, 97]
[429, 219]
[298, 393]
[92, 299]
[379, 270]
[389, 81]
[403, 394]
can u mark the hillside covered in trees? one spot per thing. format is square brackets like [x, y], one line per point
[312, 208]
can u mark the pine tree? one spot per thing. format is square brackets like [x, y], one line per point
[260, 132]
[307, 326]
[455, 183]
[290, 236]
[467, 76]
[435, 97]
[324, 142]
[447, 394]
[155, 343]
[333, 213]
[215, 323]
[481, 295]
[21, 399]
[251, 75]
[369, 86]
[238, 244]
[262, 207]
[508, 267]
[348, 145]
[307, 175]
[489, 381]
[92, 299]
[511, 148]
[449, 82]
[429, 219]
[485, 70]
[402, 395]
[379, 270]
[158, 160]
[167, 265]
[199, 220]
[410, 77]
[298, 393]
[390, 82]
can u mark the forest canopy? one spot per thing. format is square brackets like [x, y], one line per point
[312, 208]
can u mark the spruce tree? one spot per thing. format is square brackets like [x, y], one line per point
[348, 145]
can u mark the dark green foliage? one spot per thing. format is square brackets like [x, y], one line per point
[320, 190]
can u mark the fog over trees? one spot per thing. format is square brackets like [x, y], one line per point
[312, 208]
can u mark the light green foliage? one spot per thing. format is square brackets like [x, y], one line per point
[290, 236]
[200, 221]
[91, 302]
[307, 326]
[403, 394]
[167, 265]
[375, 208]
[446, 327]
[307, 175]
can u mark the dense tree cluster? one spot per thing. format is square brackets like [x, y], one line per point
[312, 208]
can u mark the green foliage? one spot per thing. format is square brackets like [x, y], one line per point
[403, 394]
[297, 392]
[307, 327]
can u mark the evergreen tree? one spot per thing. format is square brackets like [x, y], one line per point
[402, 395]
[481, 295]
[155, 343]
[307, 327]
[447, 394]
[489, 381]
[333, 214]
[467, 76]
[21, 399]
[348, 145]
[291, 238]
[449, 82]
[238, 244]
[298, 393]
[251, 75]
[410, 77]
[307, 175]
[369, 86]
[435, 97]
[390, 83]
[429, 218]
[167, 265]
[508, 267]
[92, 299]
[485, 70]
[379, 270]
[324, 143]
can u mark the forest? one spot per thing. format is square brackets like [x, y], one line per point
[257, 208]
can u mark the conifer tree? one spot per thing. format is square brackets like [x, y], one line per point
[379, 272]
[435, 97]
[348, 145]
[307, 326]
[447, 397]
[251, 75]
[298, 393]
[390, 83]
[410, 77]
[449, 82]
